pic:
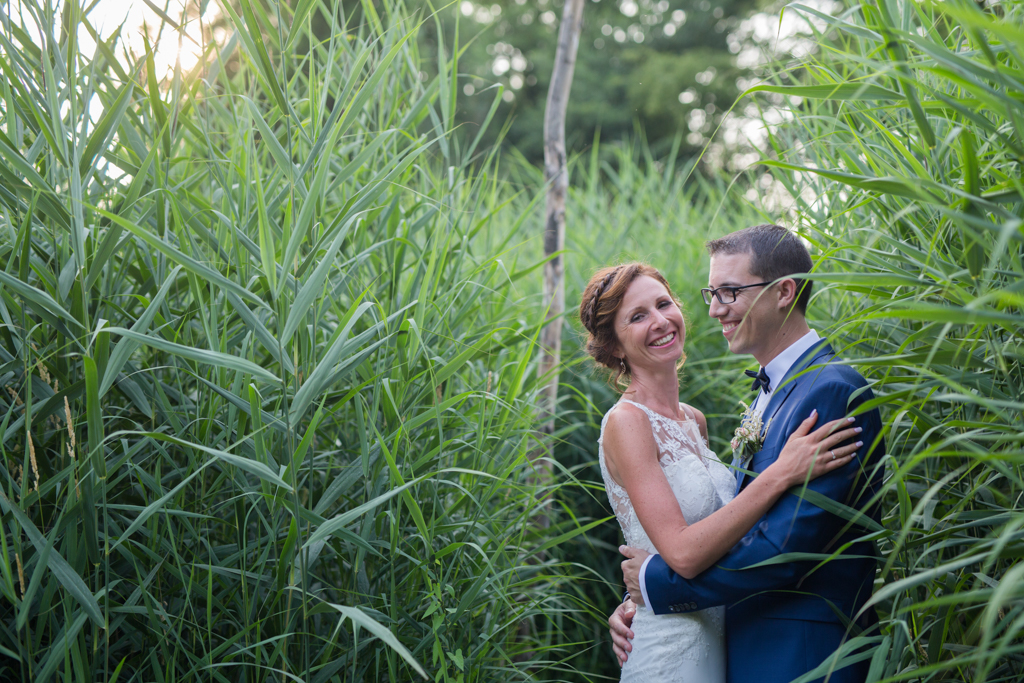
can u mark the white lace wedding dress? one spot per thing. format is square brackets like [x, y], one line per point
[690, 647]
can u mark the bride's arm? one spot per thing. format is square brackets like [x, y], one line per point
[631, 455]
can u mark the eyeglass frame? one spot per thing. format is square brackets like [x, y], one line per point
[706, 293]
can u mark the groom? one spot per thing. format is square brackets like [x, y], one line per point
[785, 615]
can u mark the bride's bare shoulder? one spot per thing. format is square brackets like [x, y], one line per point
[628, 430]
[626, 416]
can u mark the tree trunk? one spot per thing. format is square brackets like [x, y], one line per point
[557, 176]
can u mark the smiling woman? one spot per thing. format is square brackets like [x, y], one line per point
[601, 303]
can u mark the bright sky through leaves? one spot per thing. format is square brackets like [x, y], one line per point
[107, 15]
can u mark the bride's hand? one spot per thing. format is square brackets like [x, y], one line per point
[818, 451]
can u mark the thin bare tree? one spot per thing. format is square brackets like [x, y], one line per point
[557, 176]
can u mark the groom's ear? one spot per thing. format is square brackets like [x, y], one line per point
[788, 290]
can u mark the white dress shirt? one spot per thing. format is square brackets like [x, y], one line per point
[780, 365]
[776, 371]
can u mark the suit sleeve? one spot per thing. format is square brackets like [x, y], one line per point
[792, 525]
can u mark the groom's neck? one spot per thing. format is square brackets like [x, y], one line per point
[792, 329]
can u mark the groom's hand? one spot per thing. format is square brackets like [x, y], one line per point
[631, 571]
[618, 625]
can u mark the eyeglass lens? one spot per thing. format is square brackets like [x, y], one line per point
[725, 295]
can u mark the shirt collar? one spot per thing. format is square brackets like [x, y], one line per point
[780, 365]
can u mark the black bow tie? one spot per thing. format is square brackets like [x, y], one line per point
[761, 380]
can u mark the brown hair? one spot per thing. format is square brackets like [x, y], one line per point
[775, 253]
[601, 300]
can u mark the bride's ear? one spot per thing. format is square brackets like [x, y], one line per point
[619, 353]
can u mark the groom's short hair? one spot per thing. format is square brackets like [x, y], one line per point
[775, 253]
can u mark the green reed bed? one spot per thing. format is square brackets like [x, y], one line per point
[267, 402]
[904, 151]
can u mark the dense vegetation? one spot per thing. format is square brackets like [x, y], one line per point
[266, 343]
[649, 65]
[904, 156]
[267, 398]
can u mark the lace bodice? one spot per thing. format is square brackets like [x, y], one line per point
[700, 481]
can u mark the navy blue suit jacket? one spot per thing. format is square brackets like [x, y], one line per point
[784, 619]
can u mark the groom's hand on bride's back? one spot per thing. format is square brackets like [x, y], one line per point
[618, 625]
[631, 571]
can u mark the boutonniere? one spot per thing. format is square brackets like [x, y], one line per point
[746, 440]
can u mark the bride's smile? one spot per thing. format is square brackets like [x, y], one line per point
[664, 341]
[650, 327]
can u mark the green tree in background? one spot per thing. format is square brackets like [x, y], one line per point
[665, 65]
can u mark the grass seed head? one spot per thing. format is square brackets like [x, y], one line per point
[71, 427]
[43, 372]
[21, 574]
[35, 465]
[14, 395]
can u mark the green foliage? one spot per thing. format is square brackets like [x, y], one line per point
[267, 406]
[904, 162]
[635, 59]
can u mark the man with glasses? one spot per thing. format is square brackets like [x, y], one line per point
[785, 616]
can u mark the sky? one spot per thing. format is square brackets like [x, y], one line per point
[107, 15]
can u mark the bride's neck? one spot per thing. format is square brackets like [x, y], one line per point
[659, 391]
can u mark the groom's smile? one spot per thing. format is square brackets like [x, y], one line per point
[756, 315]
[747, 323]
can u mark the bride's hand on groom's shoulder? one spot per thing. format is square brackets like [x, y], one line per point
[618, 625]
[810, 453]
[631, 571]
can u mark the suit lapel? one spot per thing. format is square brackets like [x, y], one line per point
[819, 353]
[812, 356]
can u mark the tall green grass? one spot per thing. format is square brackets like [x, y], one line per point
[267, 394]
[903, 152]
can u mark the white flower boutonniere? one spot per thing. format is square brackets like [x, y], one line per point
[747, 439]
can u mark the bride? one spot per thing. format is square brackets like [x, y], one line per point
[670, 493]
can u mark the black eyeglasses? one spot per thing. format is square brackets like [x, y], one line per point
[726, 295]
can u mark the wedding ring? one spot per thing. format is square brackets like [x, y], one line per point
[832, 454]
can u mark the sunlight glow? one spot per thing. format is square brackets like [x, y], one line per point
[135, 18]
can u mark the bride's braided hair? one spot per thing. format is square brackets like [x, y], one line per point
[589, 314]
[601, 300]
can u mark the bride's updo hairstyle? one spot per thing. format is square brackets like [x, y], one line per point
[601, 301]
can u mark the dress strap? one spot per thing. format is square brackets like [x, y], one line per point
[651, 415]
